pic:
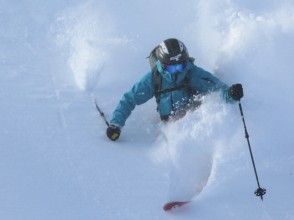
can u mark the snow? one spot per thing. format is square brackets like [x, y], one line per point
[55, 160]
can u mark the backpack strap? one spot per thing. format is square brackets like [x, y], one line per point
[157, 80]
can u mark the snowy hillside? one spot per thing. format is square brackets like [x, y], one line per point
[57, 163]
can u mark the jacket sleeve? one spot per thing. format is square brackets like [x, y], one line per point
[204, 82]
[140, 93]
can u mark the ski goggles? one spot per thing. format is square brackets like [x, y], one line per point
[174, 68]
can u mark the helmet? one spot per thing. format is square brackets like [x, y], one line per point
[172, 51]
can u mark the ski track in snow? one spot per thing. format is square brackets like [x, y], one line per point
[55, 161]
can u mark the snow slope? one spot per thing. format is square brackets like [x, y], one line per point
[55, 161]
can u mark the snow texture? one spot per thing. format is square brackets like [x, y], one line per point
[57, 163]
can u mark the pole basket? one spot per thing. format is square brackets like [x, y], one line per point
[260, 192]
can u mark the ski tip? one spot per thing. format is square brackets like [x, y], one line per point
[171, 205]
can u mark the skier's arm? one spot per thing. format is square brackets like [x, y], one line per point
[205, 82]
[140, 93]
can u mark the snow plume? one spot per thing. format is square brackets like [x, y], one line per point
[189, 146]
[224, 31]
[86, 31]
[254, 47]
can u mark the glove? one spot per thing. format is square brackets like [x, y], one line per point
[113, 132]
[236, 91]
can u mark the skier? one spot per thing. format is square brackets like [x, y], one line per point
[175, 81]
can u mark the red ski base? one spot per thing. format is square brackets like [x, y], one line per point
[170, 205]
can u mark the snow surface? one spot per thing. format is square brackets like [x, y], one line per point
[55, 160]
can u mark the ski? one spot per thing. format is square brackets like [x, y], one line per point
[170, 205]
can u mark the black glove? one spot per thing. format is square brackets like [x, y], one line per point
[113, 132]
[236, 91]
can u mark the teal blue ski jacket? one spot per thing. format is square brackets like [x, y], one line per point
[200, 80]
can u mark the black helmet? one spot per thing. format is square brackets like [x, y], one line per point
[172, 51]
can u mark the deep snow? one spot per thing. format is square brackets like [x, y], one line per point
[55, 161]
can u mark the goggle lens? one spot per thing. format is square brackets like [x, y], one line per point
[175, 68]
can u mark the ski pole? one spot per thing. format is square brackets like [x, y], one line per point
[259, 191]
[101, 113]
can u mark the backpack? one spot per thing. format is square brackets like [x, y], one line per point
[157, 79]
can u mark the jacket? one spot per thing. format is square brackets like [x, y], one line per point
[201, 81]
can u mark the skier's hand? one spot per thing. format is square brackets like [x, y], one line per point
[236, 91]
[113, 132]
